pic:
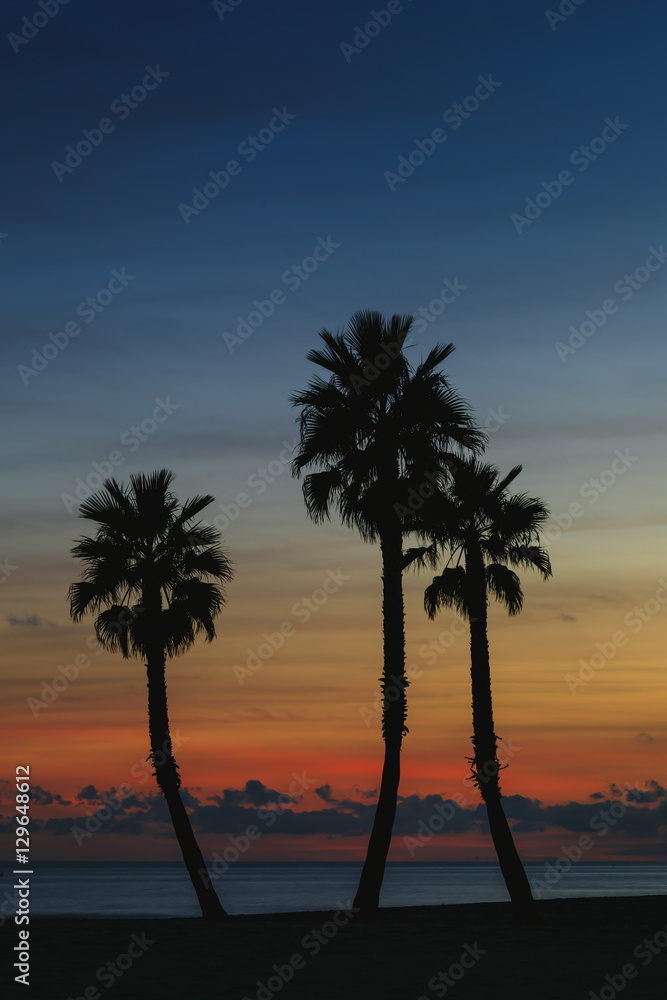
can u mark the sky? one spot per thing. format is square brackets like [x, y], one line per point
[193, 192]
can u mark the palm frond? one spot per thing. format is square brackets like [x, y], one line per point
[319, 491]
[421, 557]
[193, 507]
[447, 590]
[505, 586]
[531, 556]
[509, 478]
[112, 628]
[83, 596]
[434, 358]
[110, 506]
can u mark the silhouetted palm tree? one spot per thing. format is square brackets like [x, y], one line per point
[146, 551]
[487, 531]
[380, 434]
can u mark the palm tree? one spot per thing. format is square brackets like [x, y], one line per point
[147, 551]
[487, 531]
[379, 434]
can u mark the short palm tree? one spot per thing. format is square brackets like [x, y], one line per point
[487, 531]
[155, 581]
[379, 435]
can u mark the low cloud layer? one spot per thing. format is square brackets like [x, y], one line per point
[639, 812]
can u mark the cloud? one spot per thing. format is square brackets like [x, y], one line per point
[347, 817]
[255, 793]
[568, 618]
[529, 813]
[189, 799]
[640, 813]
[40, 796]
[653, 793]
[30, 621]
[634, 819]
[88, 794]
[370, 793]
[644, 738]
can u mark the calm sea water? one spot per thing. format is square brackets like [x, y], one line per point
[121, 889]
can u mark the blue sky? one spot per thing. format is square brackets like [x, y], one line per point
[322, 177]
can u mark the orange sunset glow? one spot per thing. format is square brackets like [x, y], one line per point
[312, 707]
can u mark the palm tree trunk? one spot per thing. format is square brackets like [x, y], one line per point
[485, 761]
[169, 782]
[394, 684]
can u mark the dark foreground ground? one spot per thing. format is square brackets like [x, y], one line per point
[586, 948]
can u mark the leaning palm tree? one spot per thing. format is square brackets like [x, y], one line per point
[487, 531]
[379, 434]
[155, 581]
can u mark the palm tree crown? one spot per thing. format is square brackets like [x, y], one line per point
[476, 519]
[377, 426]
[145, 549]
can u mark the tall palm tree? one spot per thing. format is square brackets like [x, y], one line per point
[147, 552]
[379, 433]
[487, 531]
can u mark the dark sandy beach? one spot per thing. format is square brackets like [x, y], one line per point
[588, 948]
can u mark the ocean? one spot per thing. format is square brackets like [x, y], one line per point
[140, 889]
